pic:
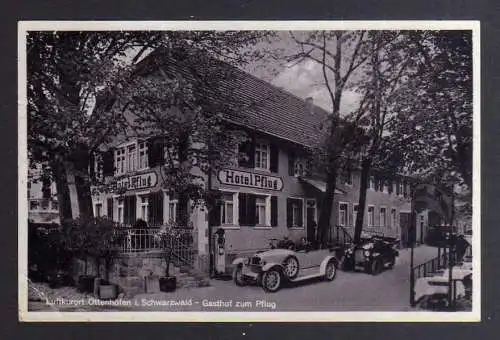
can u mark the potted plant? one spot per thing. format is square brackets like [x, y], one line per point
[168, 283]
[105, 249]
[81, 235]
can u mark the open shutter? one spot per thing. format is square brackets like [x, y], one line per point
[251, 210]
[215, 219]
[156, 154]
[110, 209]
[397, 187]
[247, 153]
[300, 222]
[289, 217]
[242, 209]
[108, 163]
[274, 158]
[291, 163]
[274, 211]
[92, 173]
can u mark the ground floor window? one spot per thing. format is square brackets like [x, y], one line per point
[227, 208]
[354, 214]
[172, 211]
[343, 214]
[371, 215]
[143, 207]
[295, 213]
[382, 216]
[98, 210]
[393, 218]
[119, 210]
[257, 210]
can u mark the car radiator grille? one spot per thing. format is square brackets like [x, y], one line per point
[358, 255]
[255, 260]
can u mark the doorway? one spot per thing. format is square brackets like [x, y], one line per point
[312, 220]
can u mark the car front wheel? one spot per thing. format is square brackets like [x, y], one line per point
[291, 267]
[238, 276]
[375, 267]
[330, 270]
[271, 280]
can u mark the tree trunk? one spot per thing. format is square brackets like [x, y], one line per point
[363, 186]
[326, 208]
[63, 197]
[81, 161]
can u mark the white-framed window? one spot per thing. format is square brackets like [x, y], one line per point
[382, 216]
[295, 212]
[299, 168]
[343, 207]
[371, 215]
[143, 155]
[262, 155]
[119, 210]
[143, 207]
[371, 183]
[385, 186]
[172, 210]
[98, 209]
[393, 218]
[354, 213]
[401, 188]
[260, 210]
[348, 178]
[120, 164]
[131, 157]
[227, 209]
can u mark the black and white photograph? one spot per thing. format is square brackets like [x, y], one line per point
[249, 171]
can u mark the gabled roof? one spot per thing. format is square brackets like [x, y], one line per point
[255, 104]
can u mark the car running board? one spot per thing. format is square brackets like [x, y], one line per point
[307, 277]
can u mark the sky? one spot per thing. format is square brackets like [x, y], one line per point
[304, 79]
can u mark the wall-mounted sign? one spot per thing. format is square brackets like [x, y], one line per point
[134, 182]
[250, 179]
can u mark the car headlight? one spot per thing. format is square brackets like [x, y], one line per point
[366, 253]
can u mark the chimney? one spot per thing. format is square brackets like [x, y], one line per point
[310, 104]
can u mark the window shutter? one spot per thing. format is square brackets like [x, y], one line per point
[92, 159]
[242, 209]
[274, 211]
[300, 222]
[110, 209]
[390, 186]
[405, 189]
[155, 208]
[291, 163]
[156, 155]
[251, 210]
[397, 187]
[108, 163]
[247, 149]
[274, 158]
[289, 213]
[215, 215]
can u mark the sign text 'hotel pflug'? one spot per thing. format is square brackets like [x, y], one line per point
[134, 182]
[249, 179]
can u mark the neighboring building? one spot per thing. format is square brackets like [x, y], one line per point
[42, 200]
[271, 193]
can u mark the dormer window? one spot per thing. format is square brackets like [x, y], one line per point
[262, 155]
[131, 157]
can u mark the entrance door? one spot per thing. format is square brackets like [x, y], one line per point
[312, 220]
[404, 222]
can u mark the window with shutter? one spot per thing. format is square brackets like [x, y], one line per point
[274, 211]
[295, 212]
[110, 208]
[291, 163]
[274, 158]
[246, 157]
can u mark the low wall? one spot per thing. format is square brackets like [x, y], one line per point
[128, 271]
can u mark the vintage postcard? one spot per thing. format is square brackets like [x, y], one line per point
[249, 171]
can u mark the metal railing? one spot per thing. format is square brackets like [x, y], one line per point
[431, 267]
[180, 241]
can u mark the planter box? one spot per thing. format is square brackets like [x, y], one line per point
[108, 292]
[168, 284]
[86, 283]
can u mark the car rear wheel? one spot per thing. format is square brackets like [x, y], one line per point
[271, 280]
[376, 267]
[291, 267]
[238, 276]
[330, 270]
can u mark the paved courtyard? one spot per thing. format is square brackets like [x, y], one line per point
[350, 291]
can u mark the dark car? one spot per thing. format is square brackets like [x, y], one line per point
[439, 236]
[371, 254]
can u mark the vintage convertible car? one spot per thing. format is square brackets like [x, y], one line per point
[279, 265]
[372, 254]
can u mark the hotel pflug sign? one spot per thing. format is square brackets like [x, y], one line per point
[250, 179]
[132, 182]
